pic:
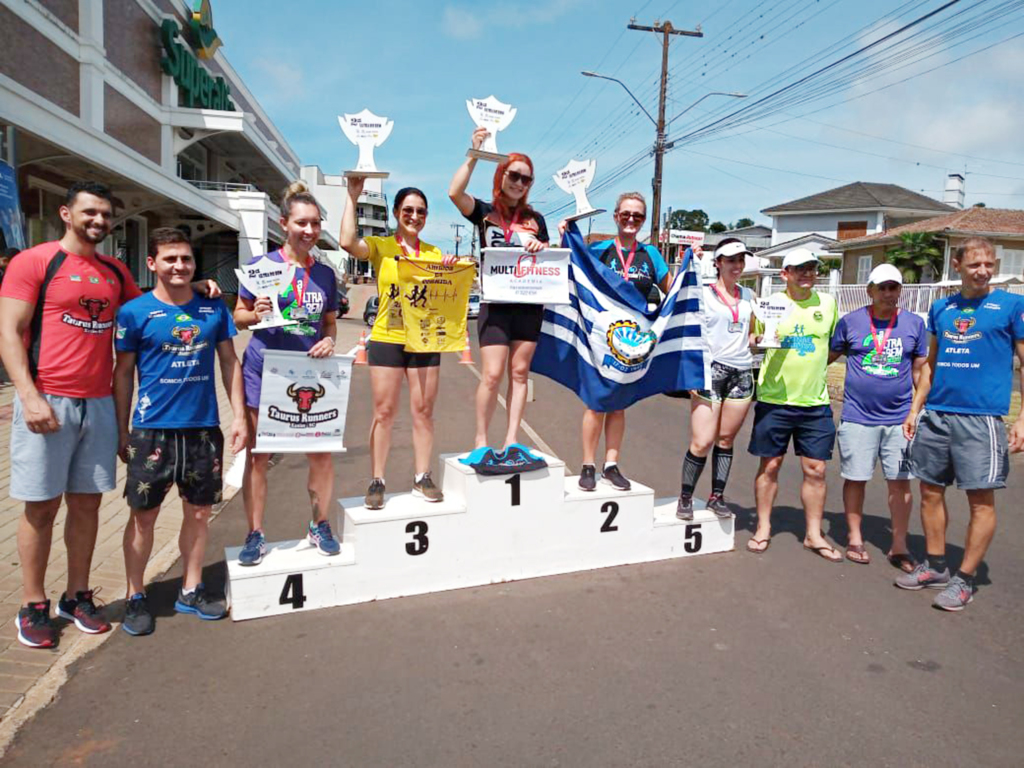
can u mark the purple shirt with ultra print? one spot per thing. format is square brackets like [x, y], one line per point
[320, 296]
[879, 387]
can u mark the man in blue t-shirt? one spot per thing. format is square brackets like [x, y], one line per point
[965, 389]
[885, 350]
[171, 337]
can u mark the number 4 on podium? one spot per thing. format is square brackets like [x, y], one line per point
[291, 593]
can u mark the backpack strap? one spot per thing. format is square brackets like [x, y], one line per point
[36, 326]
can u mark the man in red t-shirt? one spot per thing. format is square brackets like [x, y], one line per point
[58, 302]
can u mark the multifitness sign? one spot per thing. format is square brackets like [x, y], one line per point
[199, 88]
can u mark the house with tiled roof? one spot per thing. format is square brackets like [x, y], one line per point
[1004, 227]
[851, 211]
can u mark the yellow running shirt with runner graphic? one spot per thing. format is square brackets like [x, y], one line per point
[795, 373]
[435, 299]
[384, 252]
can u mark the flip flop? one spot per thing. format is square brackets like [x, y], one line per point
[767, 543]
[904, 561]
[858, 549]
[820, 552]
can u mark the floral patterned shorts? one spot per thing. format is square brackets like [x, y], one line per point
[158, 458]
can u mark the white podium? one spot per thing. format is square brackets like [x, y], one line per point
[487, 530]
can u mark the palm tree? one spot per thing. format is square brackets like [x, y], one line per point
[916, 252]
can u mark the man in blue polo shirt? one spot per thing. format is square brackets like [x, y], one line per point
[960, 436]
[885, 351]
[171, 336]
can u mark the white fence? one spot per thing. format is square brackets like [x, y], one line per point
[913, 297]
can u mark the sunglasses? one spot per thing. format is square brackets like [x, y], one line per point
[519, 178]
[410, 211]
[627, 215]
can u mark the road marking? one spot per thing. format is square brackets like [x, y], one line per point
[538, 441]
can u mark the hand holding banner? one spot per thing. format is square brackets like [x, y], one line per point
[435, 298]
[303, 403]
[511, 275]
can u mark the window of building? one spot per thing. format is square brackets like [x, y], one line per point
[1011, 262]
[192, 163]
[847, 230]
[864, 265]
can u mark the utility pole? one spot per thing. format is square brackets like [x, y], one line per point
[666, 29]
[458, 237]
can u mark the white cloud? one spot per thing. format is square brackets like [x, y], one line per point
[463, 24]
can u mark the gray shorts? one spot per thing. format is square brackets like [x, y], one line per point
[81, 457]
[728, 383]
[860, 445]
[965, 447]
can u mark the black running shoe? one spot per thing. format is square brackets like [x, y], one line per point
[137, 618]
[716, 503]
[588, 479]
[684, 508]
[35, 627]
[612, 475]
[204, 606]
[375, 494]
[83, 612]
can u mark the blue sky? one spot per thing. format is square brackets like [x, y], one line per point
[417, 63]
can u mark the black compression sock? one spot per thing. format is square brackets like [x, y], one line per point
[966, 578]
[937, 563]
[692, 467]
[721, 465]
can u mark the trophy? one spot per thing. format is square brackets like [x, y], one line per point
[574, 179]
[266, 277]
[366, 130]
[771, 311]
[491, 114]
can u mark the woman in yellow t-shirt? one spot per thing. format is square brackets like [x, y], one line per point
[389, 362]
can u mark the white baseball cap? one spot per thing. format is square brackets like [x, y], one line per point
[885, 273]
[798, 256]
[731, 248]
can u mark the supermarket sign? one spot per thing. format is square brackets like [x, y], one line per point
[199, 88]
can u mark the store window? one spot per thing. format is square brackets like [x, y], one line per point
[193, 162]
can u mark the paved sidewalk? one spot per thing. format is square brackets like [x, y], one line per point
[23, 671]
[20, 667]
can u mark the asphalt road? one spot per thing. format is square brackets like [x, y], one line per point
[721, 660]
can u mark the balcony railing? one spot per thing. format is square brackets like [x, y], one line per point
[222, 186]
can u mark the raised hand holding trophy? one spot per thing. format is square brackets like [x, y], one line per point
[366, 130]
[574, 179]
[266, 277]
[494, 116]
[771, 311]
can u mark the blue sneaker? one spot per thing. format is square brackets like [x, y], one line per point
[202, 605]
[137, 618]
[253, 550]
[320, 536]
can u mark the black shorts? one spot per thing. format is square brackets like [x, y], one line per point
[728, 383]
[390, 355]
[501, 324]
[159, 458]
[812, 429]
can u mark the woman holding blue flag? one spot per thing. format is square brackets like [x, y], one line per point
[643, 267]
[718, 411]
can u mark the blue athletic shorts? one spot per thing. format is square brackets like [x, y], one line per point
[812, 429]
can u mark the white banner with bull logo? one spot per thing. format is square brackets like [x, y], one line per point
[303, 402]
[511, 275]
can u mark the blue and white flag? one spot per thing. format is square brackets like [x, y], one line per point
[608, 348]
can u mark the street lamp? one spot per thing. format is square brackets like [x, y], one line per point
[659, 140]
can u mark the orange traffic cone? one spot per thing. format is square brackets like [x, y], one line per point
[467, 356]
[361, 350]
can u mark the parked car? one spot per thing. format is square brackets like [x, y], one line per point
[473, 310]
[343, 303]
[370, 311]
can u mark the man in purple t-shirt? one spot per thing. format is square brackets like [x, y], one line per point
[885, 350]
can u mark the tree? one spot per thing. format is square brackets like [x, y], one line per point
[717, 227]
[915, 253]
[744, 222]
[695, 220]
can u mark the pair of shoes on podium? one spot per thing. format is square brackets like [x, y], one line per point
[611, 475]
[513, 460]
[423, 487]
